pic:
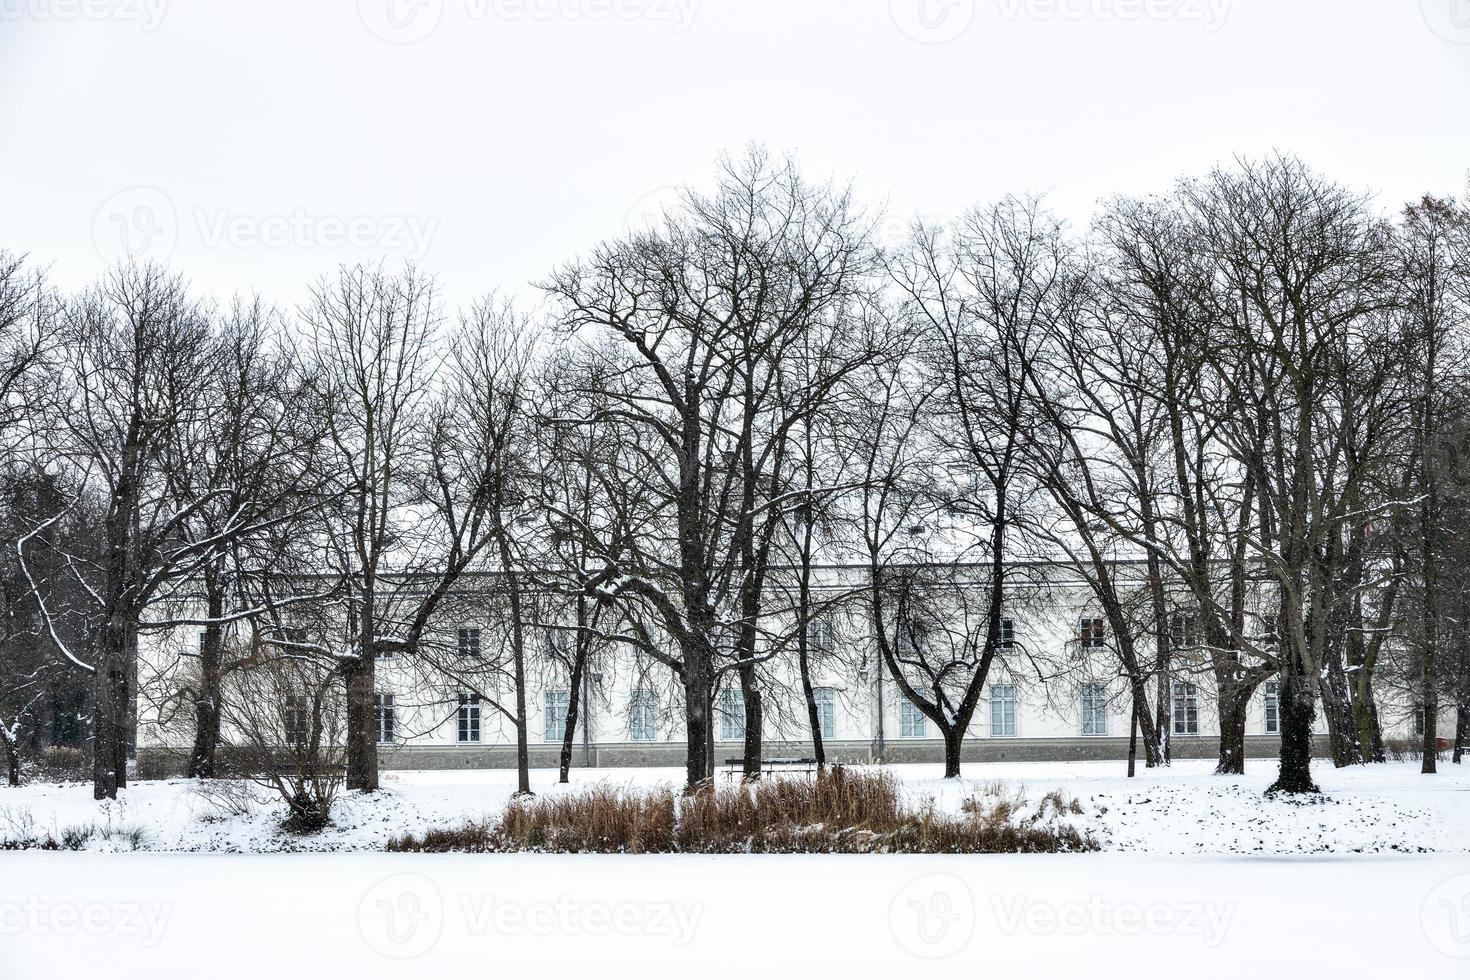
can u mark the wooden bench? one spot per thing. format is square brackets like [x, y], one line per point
[736, 767]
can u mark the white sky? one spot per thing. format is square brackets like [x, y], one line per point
[240, 140]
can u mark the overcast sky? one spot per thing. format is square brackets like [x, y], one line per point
[255, 145]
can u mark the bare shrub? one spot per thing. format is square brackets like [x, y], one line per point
[838, 812]
[287, 718]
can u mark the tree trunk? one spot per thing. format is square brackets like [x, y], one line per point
[110, 689]
[753, 722]
[698, 683]
[1337, 711]
[1462, 730]
[359, 676]
[207, 698]
[1234, 700]
[574, 713]
[1366, 731]
[12, 757]
[953, 739]
[1296, 703]
[1133, 739]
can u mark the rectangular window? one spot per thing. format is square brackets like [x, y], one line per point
[556, 715]
[1002, 710]
[826, 699]
[732, 715]
[1007, 634]
[1094, 709]
[1419, 719]
[1186, 708]
[1092, 632]
[823, 636]
[1183, 630]
[643, 716]
[384, 716]
[469, 643]
[469, 717]
[203, 641]
[1273, 709]
[911, 721]
[297, 721]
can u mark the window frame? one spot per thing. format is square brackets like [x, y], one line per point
[1185, 698]
[1006, 703]
[826, 701]
[912, 723]
[558, 712]
[1093, 699]
[643, 703]
[469, 718]
[1092, 632]
[385, 718]
[1271, 707]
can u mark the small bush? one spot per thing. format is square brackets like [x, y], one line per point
[840, 812]
[1411, 749]
[61, 764]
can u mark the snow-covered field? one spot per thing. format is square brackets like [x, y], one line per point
[1230, 883]
[1180, 810]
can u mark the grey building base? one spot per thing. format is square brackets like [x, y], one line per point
[156, 763]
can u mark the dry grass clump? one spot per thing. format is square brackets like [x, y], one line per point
[839, 812]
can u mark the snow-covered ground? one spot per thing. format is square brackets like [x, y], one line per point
[1225, 890]
[1180, 810]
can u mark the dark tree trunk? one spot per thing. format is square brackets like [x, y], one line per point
[1337, 711]
[1133, 739]
[753, 722]
[110, 733]
[207, 698]
[1366, 731]
[698, 684]
[954, 738]
[1462, 730]
[12, 757]
[359, 676]
[1297, 705]
[1234, 699]
[574, 705]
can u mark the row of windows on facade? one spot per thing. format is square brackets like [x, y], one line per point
[1092, 634]
[643, 714]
